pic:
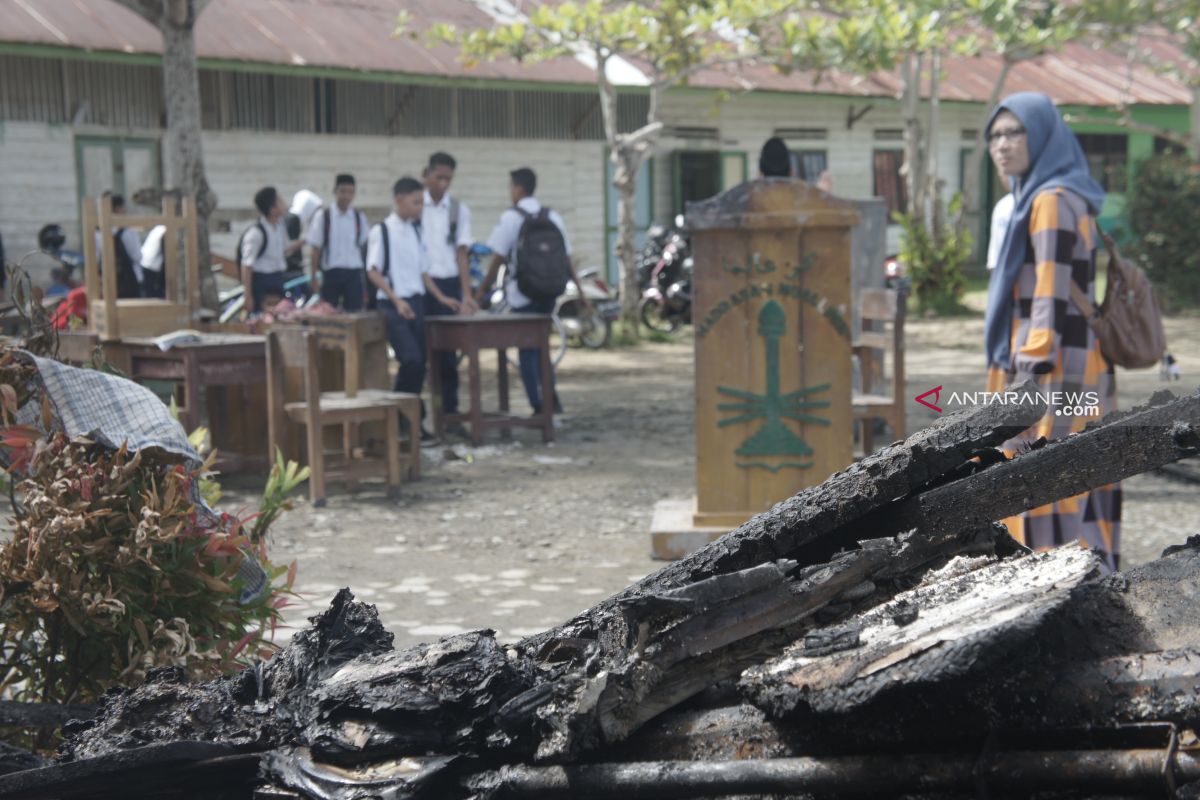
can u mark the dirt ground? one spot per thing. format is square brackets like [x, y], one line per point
[517, 536]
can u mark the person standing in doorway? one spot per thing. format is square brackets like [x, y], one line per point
[338, 235]
[519, 225]
[263, 250]
[446, 226]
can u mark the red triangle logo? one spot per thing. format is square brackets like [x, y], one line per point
[937, 398]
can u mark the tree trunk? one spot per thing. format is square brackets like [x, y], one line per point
[625, 181]
[1195, 121]
[914, 172]
[625, 155]
[971, 201]
[932, 197]
[183, 157]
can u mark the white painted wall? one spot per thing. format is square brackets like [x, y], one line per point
[746, 121]
[570, 176]
[38, 184]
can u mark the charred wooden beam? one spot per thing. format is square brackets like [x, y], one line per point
[40, 715]
[1123, 445]
[894, 472]
[941, 629]
[874, 775]
[1124, 650]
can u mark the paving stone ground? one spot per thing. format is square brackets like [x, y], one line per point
[517, 536]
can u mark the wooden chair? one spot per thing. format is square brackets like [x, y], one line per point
[883, 306]
[298, 351]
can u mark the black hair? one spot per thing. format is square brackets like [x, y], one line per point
[407, 185]
[526, 179]
[343, 179]
[118, 201]
[440, 159]
[775, 160]
[264, 199]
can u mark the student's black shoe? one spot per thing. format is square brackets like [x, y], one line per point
[427, 437]
[457, 429]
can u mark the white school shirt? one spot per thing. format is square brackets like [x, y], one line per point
[1001, 214]
[272, 259]
[409, 260]
[152, 252]
[133, 247]
[435, 229]
[344, 251]
[504, 239]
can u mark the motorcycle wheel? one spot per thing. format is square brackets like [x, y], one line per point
[650, 313]
[595, 332]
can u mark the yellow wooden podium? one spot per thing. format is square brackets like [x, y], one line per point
[773, 359]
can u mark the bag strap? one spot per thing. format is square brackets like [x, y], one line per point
[1081, 301]
[1115, 264]
[384, 238]
[262, 248]
[325, 225]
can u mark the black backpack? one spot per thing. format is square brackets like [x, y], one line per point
[262, 248]
[543, 265]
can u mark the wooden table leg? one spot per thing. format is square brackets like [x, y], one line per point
[476, 395]
[435, 390]
[352, 374]
[191, 395]
[392, 451]
[502, 379]
[502, 388]
[547, 391]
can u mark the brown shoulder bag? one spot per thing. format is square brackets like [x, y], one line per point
[1128, 323]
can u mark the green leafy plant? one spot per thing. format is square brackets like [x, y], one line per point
[115, 565]
[935, 257]
[283, 480]
[1164, 205]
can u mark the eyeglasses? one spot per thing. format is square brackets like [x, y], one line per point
[1012, 134]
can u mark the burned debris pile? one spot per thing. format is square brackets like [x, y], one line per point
[879, 634]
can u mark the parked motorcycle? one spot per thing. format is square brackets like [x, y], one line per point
[592, 328]
[666, 303]
[895, 274]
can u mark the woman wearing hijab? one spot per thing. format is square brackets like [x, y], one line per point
[1033, 329]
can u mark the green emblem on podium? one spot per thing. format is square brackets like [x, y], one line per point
[773, 438]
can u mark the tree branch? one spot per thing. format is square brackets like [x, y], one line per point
[148, 10]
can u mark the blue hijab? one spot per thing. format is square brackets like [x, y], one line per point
[1055, 159]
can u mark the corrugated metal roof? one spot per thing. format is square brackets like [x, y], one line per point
[357, 34]
[349, 34]
[1078, 75]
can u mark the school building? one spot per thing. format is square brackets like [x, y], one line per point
[296, 91]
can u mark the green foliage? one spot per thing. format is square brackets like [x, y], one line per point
[1164, 206]
[112, 569]
[283, 480]
[935, 260]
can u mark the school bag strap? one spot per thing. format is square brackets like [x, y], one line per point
[452, 234]
[1128, 323]
[384, 241]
